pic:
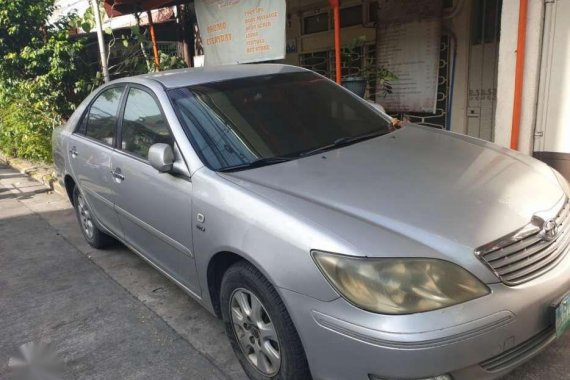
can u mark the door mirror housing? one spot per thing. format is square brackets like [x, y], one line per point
[161, 157]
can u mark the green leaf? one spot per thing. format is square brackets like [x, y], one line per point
[86, 26]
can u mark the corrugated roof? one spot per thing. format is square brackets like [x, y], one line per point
[122, 7]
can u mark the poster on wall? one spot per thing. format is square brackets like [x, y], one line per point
[241, 31]
[408, 44]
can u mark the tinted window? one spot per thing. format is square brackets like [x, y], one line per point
[316, 23]
[239, 121]
[486, 22]
[351, 16]
[102, 117]
[143, 124]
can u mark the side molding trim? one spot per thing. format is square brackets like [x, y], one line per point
[150, 229]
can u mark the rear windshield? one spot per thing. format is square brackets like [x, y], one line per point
[237, 122]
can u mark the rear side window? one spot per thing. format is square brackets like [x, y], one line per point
[143, 124]
[101, 120]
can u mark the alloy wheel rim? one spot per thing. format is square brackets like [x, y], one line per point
[85, 217]
[255, 332]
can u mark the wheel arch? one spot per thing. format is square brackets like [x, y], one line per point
[217, 267]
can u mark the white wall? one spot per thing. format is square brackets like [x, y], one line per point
[553, 111]
[506, 73]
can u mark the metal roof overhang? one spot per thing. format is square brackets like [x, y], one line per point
[115, 8]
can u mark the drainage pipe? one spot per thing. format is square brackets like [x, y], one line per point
[336, 16]
[519, 71]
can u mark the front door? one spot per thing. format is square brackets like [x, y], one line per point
[90, 149]
[154, 208]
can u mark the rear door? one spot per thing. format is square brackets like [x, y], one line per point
[154, 208]
[89, 151]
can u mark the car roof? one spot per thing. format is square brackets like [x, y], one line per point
[200, 75]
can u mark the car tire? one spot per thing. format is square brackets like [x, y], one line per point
[91, 232]
[242, 287]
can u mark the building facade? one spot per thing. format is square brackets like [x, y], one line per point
[477, 63]
[471, 46]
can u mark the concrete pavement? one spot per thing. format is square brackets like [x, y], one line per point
[108, 314]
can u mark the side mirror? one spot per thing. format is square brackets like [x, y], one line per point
[161, 157]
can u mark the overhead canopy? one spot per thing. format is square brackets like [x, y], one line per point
[115, 8]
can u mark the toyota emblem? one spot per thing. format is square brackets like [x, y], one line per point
[549, 230]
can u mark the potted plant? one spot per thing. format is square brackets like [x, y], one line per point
[356, 74]
[352, 72]
[379, 78]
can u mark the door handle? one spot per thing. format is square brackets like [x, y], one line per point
[118, 175]
[74, 153]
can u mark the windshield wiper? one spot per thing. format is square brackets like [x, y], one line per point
[256, 163]
[344, 141]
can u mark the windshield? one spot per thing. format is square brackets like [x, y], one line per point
[271, 119]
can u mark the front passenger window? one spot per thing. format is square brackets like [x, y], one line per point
[143, 124]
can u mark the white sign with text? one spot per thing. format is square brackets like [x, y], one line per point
[241, 31]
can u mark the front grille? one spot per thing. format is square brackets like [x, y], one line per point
[529, 252]
[519, 353]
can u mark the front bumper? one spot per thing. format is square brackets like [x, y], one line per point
[481, 339]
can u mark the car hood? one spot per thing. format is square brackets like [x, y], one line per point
[425, 184]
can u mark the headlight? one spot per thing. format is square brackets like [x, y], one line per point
[399, 286]
[562, 181]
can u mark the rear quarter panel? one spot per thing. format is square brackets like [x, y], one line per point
[60, 138]
[58, 153]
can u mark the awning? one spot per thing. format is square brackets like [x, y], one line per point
[115, 8]
[159, 16]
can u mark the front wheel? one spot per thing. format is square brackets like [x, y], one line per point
[259, 327]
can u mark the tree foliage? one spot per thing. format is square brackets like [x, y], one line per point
[42, 76]
[22, 23]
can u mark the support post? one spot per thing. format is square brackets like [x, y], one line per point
[336, 16]
[183, 22]
[100, 40]
[153, 40]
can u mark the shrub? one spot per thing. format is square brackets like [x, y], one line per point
[25, 130]
[42, 77]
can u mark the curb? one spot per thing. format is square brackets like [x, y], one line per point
[43, 173]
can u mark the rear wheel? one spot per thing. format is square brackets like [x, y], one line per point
[259, 327]
[94, 236]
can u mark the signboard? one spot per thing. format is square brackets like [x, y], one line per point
[408, 44]
[241, 31]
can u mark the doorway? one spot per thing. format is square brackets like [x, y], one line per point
[483, 63]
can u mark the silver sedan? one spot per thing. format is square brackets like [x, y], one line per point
[332, 245]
